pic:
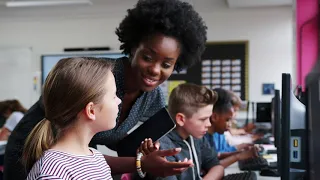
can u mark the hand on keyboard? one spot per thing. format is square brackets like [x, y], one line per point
[251, 152]
[244, 146]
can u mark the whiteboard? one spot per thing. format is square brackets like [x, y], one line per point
[49, 61]
[16, 75]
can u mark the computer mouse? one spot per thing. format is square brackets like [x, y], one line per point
[269, 172]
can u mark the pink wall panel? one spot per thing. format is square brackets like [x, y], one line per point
[307, 37]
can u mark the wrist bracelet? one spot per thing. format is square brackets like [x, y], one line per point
[138, 165]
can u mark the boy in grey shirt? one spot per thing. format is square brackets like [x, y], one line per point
[191, 107]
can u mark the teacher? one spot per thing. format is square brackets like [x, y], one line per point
[158, 37]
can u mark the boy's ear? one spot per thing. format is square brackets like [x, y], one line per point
[90, 111]
[213, 117]
[180, 119]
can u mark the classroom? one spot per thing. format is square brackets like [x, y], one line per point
[265, 53]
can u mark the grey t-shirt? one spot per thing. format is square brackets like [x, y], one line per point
[205, 158]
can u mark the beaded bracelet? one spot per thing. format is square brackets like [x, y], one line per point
[138, 165]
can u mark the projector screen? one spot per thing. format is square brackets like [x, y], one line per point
[48, 61]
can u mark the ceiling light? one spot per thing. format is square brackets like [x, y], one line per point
[47, 3]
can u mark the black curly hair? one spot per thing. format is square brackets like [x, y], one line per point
[171, 18]
[224, 101]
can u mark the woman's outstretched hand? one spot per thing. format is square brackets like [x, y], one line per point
[155, 163]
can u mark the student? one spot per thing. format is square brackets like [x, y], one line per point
[236, 102]
[191, 107]
[158, 37]
[223, 112]
[80, 100]
[238, 137]
[220, 141]
[12, 111]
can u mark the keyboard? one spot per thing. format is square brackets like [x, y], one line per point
[241, 176]
[273, 165]
[254, 164]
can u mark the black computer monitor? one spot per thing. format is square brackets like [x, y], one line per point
[293, 133]
[263, 112]
[276, 125]
[313, 122]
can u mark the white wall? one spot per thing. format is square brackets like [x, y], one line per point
[269, 31]
[270, 36]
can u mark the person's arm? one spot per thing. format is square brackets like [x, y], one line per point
[222, 156]
[215, 173]
[244, 146]
[4, 134]
[229, 160]
[10, 124]
[210, 161]
[247, 154]
[154, 163]
[120, 165]
[236, 132]
[173, 177]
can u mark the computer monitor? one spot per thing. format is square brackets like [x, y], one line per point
[293, 134]
[313, 122]
[48, 61]
[263, 112]
[276, 126]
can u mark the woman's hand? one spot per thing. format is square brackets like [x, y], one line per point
[147, 146]
[156, 164]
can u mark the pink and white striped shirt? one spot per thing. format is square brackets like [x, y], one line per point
[57, 165]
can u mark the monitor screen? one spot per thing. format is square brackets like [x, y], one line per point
[263, 112]
[48, 61]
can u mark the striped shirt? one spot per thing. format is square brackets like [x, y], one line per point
[59, 165]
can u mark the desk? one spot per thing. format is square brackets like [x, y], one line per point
[234, 168]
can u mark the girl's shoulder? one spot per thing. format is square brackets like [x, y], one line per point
[58, 163]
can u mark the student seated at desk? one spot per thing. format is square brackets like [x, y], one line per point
[236, 102]
[13, 111]
[223, 112]
[236, 136]
[191, 107]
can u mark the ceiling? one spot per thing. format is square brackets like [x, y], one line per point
[116, 8]
[258, 3]
[99, 7]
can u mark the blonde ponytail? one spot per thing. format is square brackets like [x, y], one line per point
[39, 140]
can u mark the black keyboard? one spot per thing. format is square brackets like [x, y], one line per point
[254, 164]
[273, 165]
[241, 176]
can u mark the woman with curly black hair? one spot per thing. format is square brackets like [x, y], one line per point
[158, 37]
